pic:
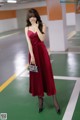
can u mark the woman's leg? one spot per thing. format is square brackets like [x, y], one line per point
[40, 103]
[56, 105]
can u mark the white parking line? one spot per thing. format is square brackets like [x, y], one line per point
[66, 78]
[71, 34]
[72, 102]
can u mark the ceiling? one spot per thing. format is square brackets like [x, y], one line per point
[4, 2]
[27, 1]
[21, 1]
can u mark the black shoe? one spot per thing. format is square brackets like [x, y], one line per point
[58, 111]
[40, 110]
[40, 104]
[56, 105]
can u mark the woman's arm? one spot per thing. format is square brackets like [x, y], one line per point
[29, 46]
[42, 36]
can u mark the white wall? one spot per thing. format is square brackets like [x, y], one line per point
[70, 22]
[44, 19]
[70, 19]
[8, 24]
[78, 22]
[64, 26]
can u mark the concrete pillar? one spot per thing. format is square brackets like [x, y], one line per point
[57, 25]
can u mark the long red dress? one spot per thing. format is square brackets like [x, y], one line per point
[42, 81]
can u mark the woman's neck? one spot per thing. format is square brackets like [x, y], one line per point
[33, 23]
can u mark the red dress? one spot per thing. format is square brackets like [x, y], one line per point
[42, 81]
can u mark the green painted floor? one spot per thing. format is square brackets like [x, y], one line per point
[75, 40]
[20, 105]
[66, 64]
[76, 115]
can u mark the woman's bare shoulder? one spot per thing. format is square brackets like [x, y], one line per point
[26, 28]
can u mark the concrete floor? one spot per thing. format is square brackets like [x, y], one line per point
[13, 55]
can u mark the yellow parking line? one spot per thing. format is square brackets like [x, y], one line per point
[4, 85]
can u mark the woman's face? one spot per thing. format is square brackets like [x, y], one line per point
[33, 19]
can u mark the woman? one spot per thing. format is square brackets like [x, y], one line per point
[41, 81]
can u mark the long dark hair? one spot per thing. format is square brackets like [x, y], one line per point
[33, 13]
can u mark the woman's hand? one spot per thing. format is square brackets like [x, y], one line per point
[36, 26]
[32, 60]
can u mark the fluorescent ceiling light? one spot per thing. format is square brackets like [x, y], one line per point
[11, 1]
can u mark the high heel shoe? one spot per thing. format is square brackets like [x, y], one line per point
[40, 110]
[56, 105]
[40, 104]
[58, 110]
